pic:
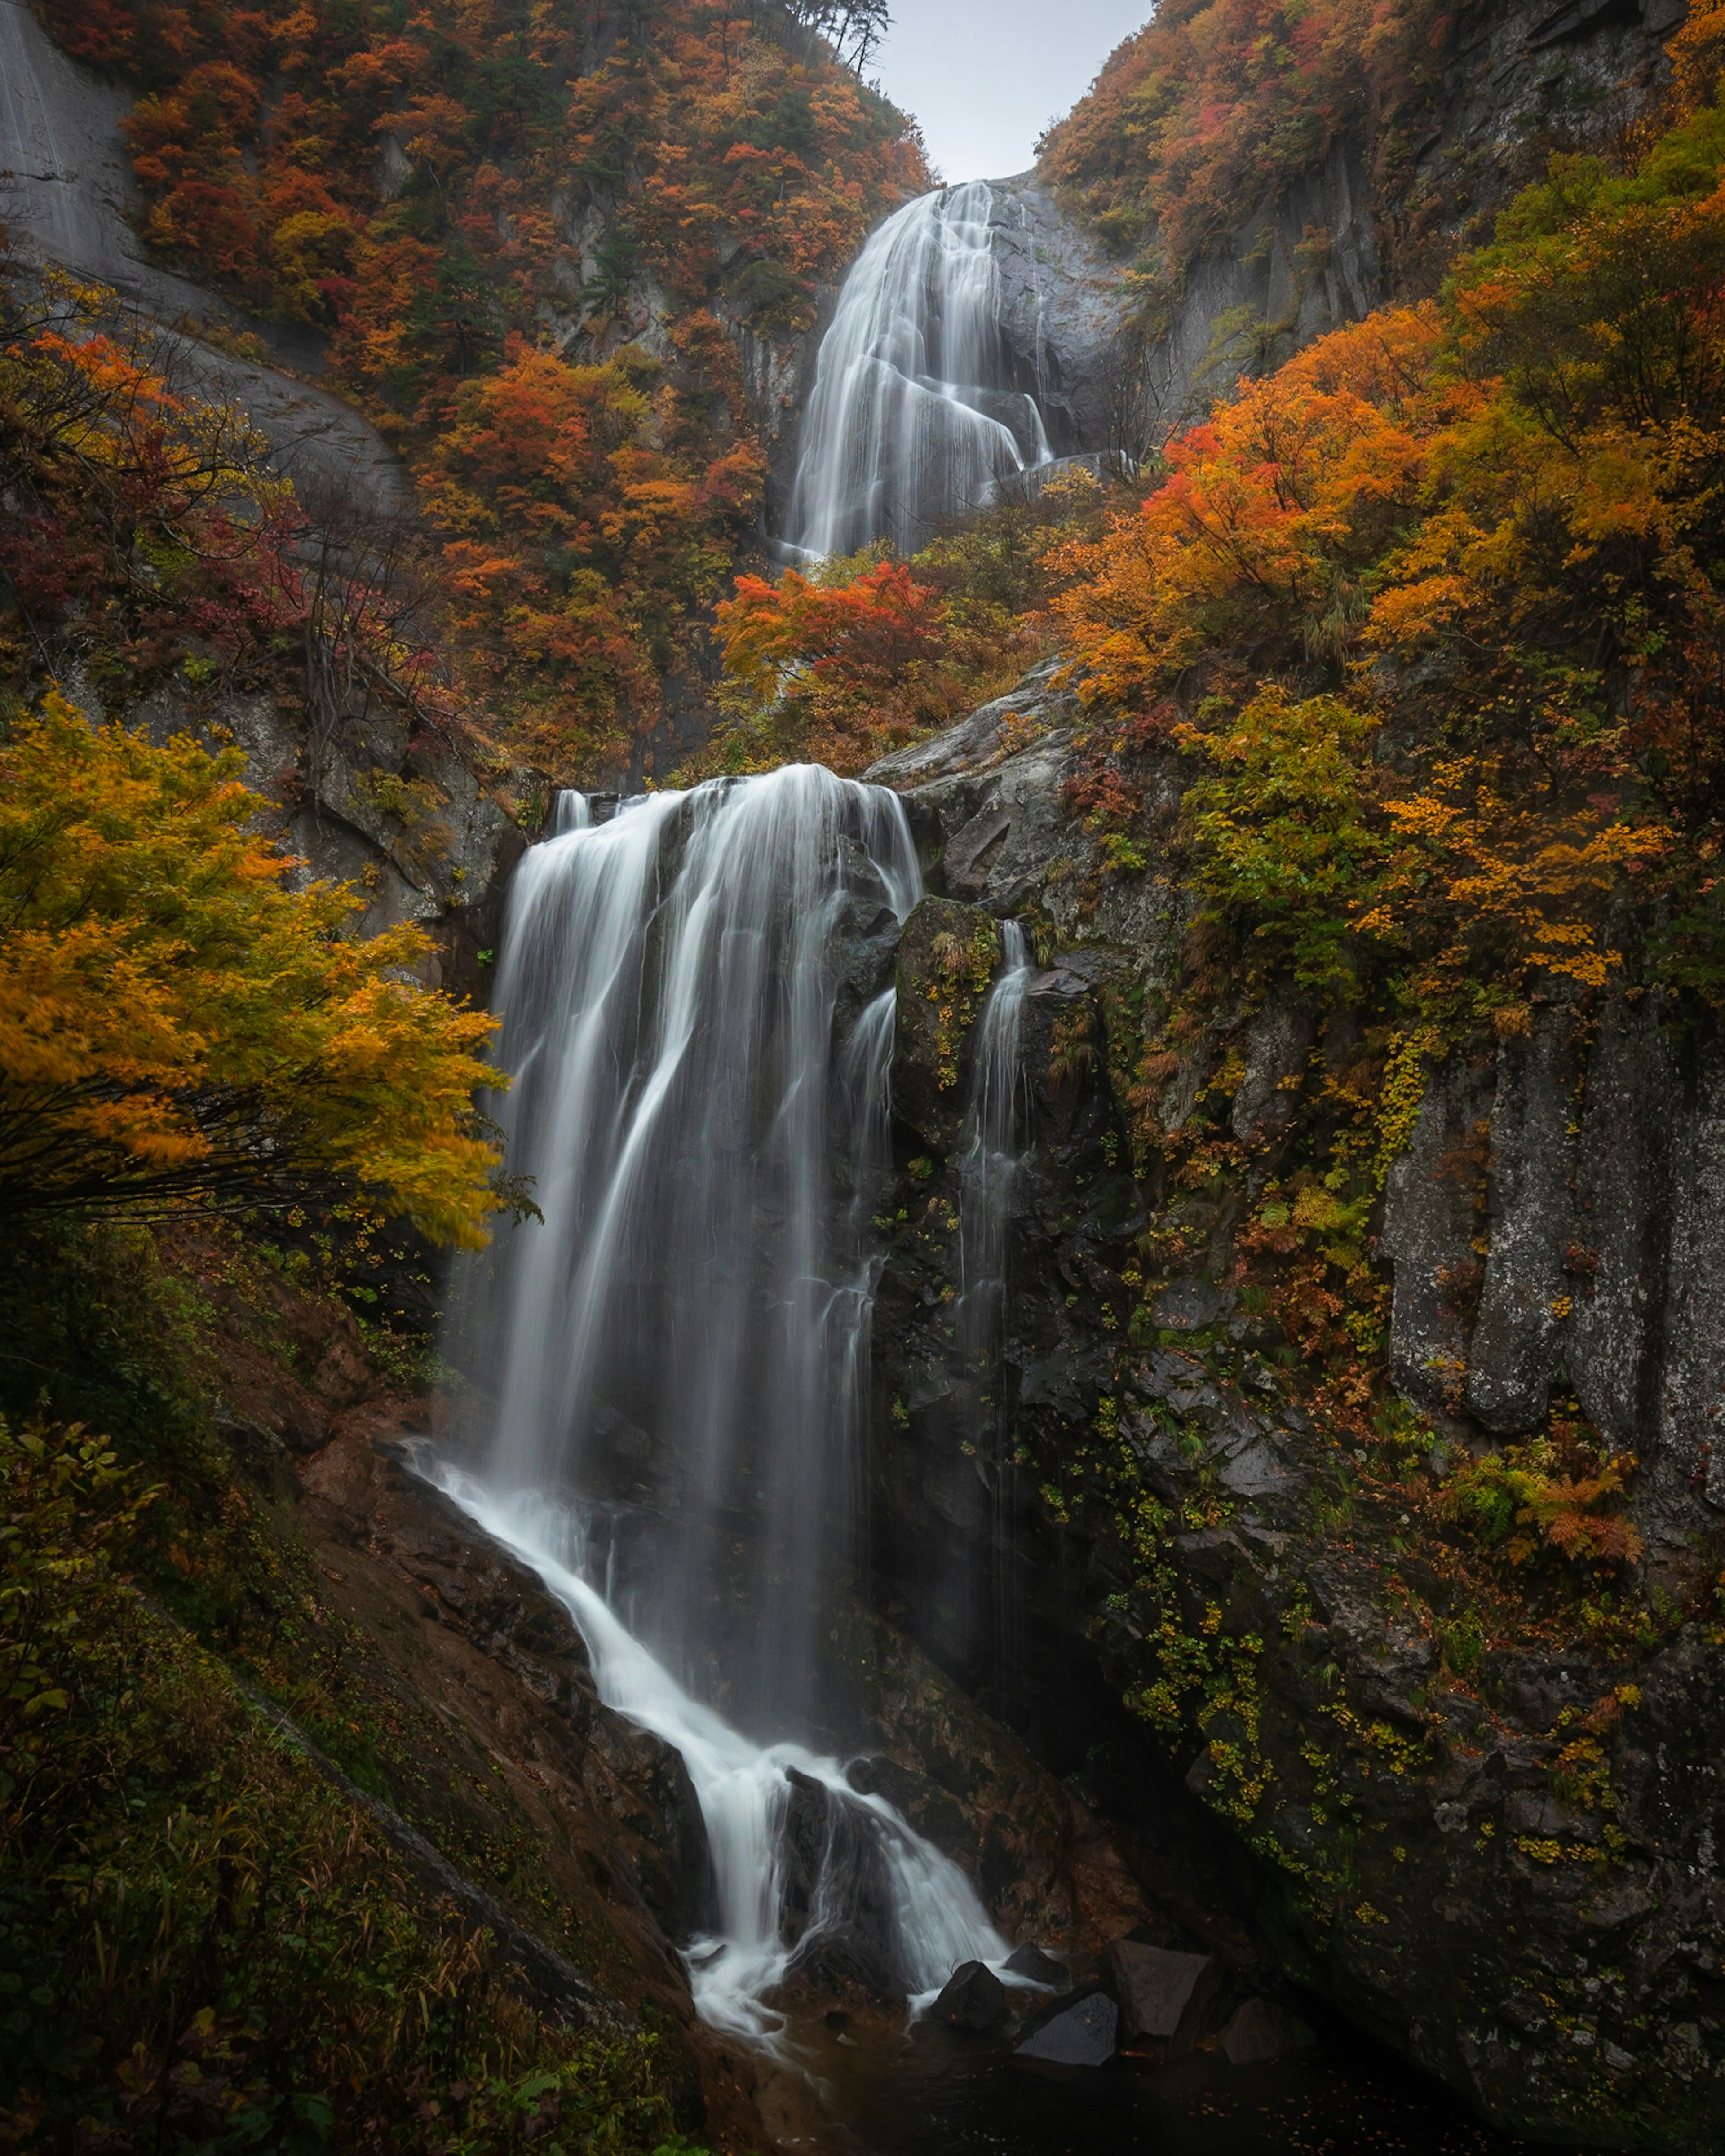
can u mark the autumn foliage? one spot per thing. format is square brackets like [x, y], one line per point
[177, 1025]
[1493, 525]
[587, 525]
[1432, 617]
[853, 657]
[1212, 109]
[555, 220]
[840, 664]
[387, 176]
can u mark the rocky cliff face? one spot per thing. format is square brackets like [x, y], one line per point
[367, 793]
[1500, 1855]
[68, 198]
[1522, 81]
[454, 1696]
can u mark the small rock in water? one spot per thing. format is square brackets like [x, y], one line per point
[973, 1998]
[1035, 1967]
[1077, 2031]
[1259, 2031]
[1166, 1996]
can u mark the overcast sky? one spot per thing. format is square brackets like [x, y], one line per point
[985, 77]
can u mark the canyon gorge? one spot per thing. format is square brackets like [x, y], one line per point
[1044, 1505]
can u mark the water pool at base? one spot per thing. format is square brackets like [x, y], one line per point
[938, 2093]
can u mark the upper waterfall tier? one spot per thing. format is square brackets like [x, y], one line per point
[918, 412]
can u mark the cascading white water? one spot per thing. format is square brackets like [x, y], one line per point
[687, 1316]
[914, 419]
[937, 1920]
[672, 1363]
[987, 1172]
[990, 1163]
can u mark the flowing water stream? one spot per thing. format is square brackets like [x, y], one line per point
[672, 1366]
[915, 417]
[994, 1136]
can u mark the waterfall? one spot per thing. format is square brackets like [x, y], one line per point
[665, 1376]
[891, 1907]
[987, 1172]
[990, 1162]
[915, 417]
[691, 1070]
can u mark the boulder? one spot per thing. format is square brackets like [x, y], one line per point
[973, 1998]
[1035, 1967]
[1078, 2030]
[1165, 1996]
[1259, 2031]
[835, 1900]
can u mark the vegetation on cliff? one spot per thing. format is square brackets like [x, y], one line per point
[838, 664]
[1212, 110]
[1428, 622]
[533, 243]
[204, 1943]
[1439, 605]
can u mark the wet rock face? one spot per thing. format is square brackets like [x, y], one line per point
[485, 1731]
[1060, 312]
[1554, 1227]
[1551, 1943]
[835, 1904]
[947, 958]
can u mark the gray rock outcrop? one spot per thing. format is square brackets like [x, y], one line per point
[68, 198]
[1521, 81]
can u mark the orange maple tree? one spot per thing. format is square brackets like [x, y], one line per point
[842, 663]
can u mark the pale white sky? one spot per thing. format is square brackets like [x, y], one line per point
[985, 77]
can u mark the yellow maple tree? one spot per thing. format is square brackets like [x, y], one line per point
[180, 1025]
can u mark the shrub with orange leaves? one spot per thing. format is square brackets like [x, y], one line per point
[1552, 1494]
[1272, 513]
[729, 148]
[143, 534]
[838, 664]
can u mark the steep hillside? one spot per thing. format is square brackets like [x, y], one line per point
[1349, 1468]
[565, 265]
[1264, 174]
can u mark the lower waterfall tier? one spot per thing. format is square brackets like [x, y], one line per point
[808, 1874]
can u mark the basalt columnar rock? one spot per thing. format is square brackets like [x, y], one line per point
[1501, 1859]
